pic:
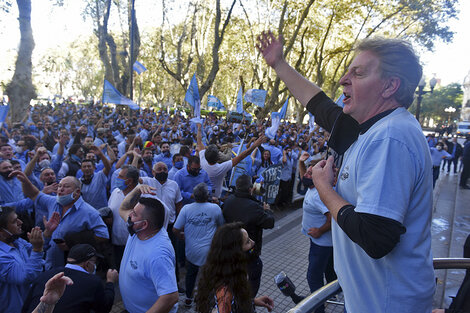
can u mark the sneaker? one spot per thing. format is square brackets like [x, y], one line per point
[188, 302]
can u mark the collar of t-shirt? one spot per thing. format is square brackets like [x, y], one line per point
[76, 267]
[364, 127]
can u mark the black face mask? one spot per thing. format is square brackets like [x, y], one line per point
[87, 181]
[148, 159]
[194, 172]
[307, 182]
[130, 226]
[161, 177]
[6, 174]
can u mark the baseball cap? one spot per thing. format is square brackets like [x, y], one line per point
[81, 253]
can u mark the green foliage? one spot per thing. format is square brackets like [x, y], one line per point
[434, 104]
[319, 40]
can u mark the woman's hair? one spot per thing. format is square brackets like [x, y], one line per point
[226, 266]
[268, 162]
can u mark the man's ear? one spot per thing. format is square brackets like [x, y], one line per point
[391, 86]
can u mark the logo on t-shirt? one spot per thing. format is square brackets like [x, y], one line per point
[133, 264]
[345, 173]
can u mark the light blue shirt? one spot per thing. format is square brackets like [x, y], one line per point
[167, 159]
[187, 182]
[314, 216]
[19, 266]
[437, 156]
[387, 172]
[81, 216]
[10, 190]
[199, 221]
[287, 167]
[147, 272]
[95, 192]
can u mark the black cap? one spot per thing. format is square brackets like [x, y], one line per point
[81, 253]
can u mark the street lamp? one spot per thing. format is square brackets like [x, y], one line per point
[421, 92]
[449, 110]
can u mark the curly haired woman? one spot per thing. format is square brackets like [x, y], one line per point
[224, 287]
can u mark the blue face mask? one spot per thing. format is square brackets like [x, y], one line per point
[179, 165]
[121, 183]
[65, 199]
[76, 158]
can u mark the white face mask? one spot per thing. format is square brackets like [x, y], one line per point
[439, 148]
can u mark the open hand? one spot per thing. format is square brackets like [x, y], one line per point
[55, 288]
[271, 48]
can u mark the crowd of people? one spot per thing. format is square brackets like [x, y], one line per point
[69, 171]
[140, 195]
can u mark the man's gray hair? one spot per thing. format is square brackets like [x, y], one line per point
[132, 173]
[397, 59]
[201, 192]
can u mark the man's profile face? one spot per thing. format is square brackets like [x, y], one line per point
[363, 87]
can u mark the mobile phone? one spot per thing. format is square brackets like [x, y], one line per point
[58, 240]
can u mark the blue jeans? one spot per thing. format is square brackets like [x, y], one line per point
[320, 262]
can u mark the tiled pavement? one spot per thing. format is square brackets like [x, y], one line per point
[286, 249]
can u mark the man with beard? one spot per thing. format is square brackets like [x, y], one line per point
[187, 178]
[165, 156]
[147, 156]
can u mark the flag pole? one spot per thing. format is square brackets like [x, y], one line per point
[131, 55]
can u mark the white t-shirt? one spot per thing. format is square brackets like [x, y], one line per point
[120, 232]
[169, 193]
[216, 172]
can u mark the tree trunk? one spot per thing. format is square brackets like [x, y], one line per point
[20, 90]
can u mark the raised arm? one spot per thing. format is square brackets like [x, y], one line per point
[271, 49]
[248, 151]
[302, 167]
[29, 190]
[28, 170]
[107, 165]
[200, 145]
[131, 199]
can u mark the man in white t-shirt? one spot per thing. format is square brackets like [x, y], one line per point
[217, 171]
[126, 181]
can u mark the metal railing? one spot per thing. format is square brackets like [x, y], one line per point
[319, 297]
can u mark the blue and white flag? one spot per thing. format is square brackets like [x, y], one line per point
[256, 96]
[240, 100]
[311, 123]
[284, 109]
[3, 113]
[139, 67]
[213, 101]
[112, 95]
[339, 101]
[271, 131]
[192, 96]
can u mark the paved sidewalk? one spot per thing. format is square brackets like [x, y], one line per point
[286, 249]
[450, 228]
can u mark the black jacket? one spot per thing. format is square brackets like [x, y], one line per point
[87, 293]
[243, 207]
